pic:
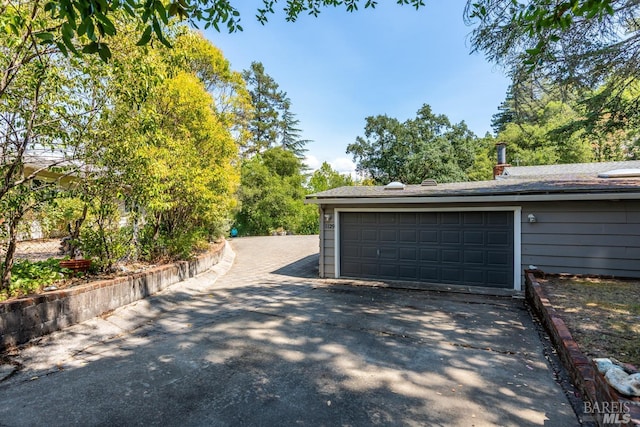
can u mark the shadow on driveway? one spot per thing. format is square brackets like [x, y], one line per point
[285, 348]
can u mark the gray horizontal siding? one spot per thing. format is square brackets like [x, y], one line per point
[583, 237]
[328, 246]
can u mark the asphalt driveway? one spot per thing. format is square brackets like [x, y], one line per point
[269, 344]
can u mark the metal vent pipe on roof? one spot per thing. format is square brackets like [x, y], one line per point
[498, 169]
[502, 153]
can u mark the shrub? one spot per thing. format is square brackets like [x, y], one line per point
[28, 277]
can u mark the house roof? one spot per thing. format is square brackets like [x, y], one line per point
[574, 170]
[579, 182]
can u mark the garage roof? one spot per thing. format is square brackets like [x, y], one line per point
[577, 182]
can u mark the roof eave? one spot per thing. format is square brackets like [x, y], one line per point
[475, 199]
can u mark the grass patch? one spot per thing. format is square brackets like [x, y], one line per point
[602, 315]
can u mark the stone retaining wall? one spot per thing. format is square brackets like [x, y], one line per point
[26, 318]
[584, 374]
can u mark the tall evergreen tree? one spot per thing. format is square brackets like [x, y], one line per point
[290, 138]
[267, 102]
[273, 123]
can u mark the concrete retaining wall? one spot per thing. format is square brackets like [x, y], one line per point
[27, 318]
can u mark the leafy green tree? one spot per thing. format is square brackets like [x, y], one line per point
[272, 195]
[542, 142]
[428, 146]
[48, 107]
[545, 125]
[169, 142]
[192, 53]
[326, 178]
[586, 47]
[484, 160]
[95, 22]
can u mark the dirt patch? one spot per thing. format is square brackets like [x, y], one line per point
[602, 315]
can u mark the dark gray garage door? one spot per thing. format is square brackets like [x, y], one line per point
[460, 248]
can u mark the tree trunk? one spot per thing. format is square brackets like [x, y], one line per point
[74, 233]
[5, 282]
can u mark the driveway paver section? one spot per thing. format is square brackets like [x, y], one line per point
[269, 344]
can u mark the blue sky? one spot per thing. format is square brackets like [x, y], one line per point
[341, 67]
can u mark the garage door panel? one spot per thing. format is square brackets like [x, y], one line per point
[429, 254]
[452, 275]
[498, 279]
[352, 251]
[498, 238]
[409, 236]
[369, 252]
[474, 257]
[388, 271]
[473, 218]
[388, 253]
[407, 254]
[369, 234]
[368, 219]
[350, 219]
[466, 248]
[450, 236]
[451, 256]
[500, 218]
[428, 218]
[387, 218]
[388, 235]
[429, 236]
[450, 218]
[474, 237]
[429, 274]
[474, 277]
[352, 233]
[498, 258]
[408, 219]
[406, 272]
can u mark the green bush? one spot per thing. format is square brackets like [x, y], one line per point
[177, 245]
[105, 247]
[28, 277]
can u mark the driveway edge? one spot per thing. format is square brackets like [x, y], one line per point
[26, 318]
[584, 374]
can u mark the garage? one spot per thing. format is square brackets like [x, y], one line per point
[472, 248]
[559, 219]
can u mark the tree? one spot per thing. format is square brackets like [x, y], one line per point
[118, 127]
[48, 107]
[272, 123]
[542, 124]
[326, 178]
[290, 133]
[267, 100]
[272, 195]
[428, 146]
[586, 47]
[193, 53]
[95, 22]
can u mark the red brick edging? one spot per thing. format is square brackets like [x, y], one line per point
[584, 374]
[26, 318]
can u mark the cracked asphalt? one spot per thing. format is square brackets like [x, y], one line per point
[261, 341]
